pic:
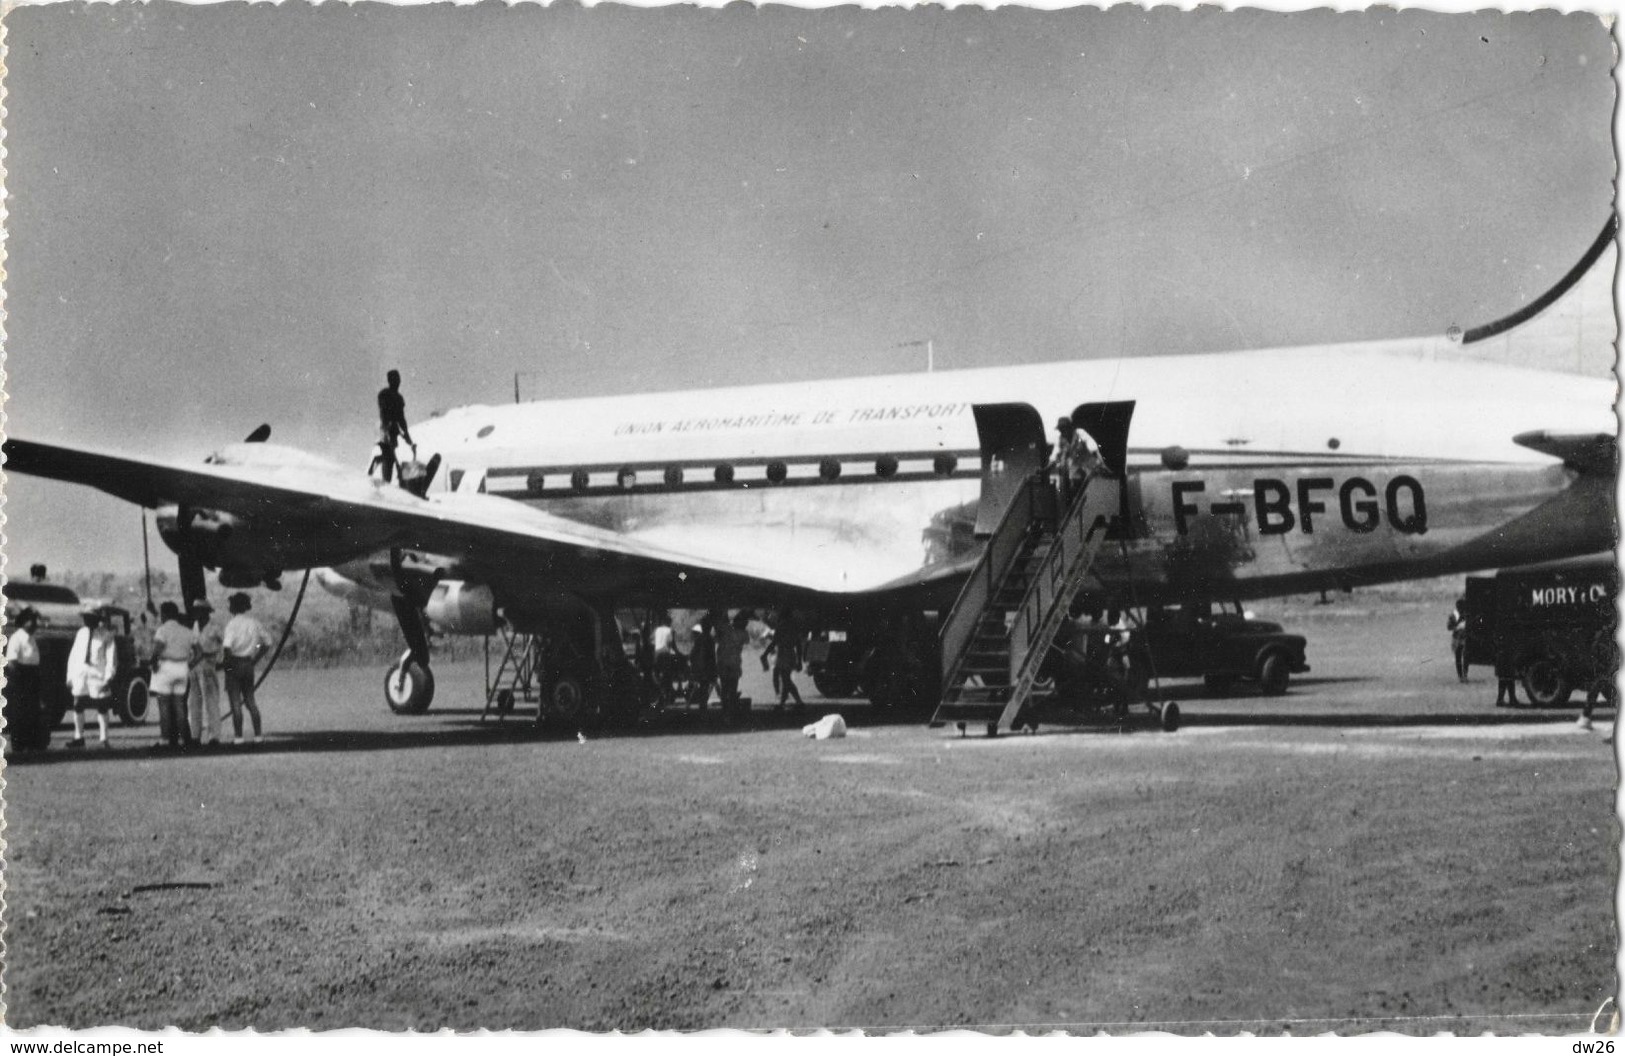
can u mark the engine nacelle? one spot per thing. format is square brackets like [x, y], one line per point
[206, 533]
[459, 607]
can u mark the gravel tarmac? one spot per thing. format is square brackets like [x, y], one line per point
[1379, 849]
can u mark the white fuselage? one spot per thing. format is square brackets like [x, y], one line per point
[847, 485]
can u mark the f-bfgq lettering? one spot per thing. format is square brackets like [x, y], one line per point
[1278, 508]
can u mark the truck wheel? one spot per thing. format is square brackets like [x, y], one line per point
[834, 686]
[1545, 685]
[1274, 674]
[408, 687]
[132, 706]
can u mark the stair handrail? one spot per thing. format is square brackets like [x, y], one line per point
[1054, 576]
[1000, 553]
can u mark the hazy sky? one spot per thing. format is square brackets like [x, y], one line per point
[223, 215]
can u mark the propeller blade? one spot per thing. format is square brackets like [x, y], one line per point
[260, 435]
[193, 586]
[146, 564]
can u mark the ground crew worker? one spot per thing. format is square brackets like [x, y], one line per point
[171, 673]
[785, 649]
[392, 423]
[731, 639]
[665, 657]
[24, 724]
[1456, 624]
[203, 694]
[92, 663]
[1604, 671]
[702, 661]
[245, 641]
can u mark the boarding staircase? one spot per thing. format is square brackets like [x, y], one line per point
[998, 632]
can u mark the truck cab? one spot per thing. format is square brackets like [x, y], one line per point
[59, 622]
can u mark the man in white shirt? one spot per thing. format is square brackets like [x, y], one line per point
[665, 657]
[244, 642]
[92, 662]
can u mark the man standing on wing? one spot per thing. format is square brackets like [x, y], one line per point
[392, 423]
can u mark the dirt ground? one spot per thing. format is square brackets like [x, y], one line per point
[1380, 849]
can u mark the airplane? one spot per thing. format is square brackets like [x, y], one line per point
[864, 503]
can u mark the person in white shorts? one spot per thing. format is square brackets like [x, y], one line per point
[171, 671]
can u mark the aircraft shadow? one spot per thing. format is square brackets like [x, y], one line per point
[1139, 720]
[464, 728]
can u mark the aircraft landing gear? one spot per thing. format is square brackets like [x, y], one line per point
[408, 686]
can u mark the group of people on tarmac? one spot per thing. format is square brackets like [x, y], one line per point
[189, 656]
[1098, 648]
[186, 655]
[715, 659]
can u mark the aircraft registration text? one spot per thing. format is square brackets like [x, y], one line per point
[1309, 502]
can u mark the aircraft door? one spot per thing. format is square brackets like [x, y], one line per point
[1013, 449]
[1108, 423]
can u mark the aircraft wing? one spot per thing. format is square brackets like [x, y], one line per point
[493, 535]
[150, 484]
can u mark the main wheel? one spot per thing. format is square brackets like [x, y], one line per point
[567, 702]
[409, 687]
[1218, 685]
[132, 706]
[1545, 685]
[1169, 717]
[1274, 674]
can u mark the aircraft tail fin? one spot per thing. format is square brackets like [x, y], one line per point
[1581, 452]
[1598, 246]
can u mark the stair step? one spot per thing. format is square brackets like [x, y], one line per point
[986, 655]
[970, 710]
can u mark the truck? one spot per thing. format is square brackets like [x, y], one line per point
[59, 622]
[1110, 662]
[1221, 647]
[1549, 626]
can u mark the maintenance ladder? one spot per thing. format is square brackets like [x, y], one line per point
[995, 638]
